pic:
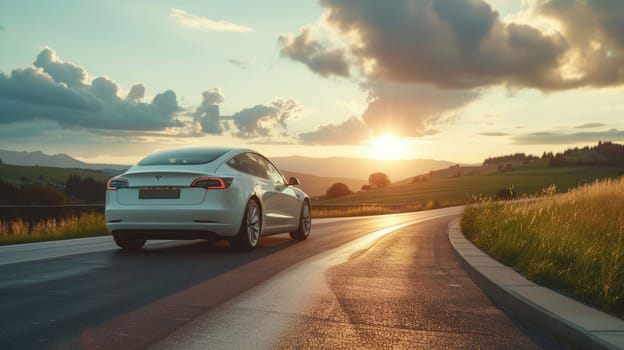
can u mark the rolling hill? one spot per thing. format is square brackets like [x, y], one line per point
[38, 158]
[317, 185]
[359, 168]
[36, 167]
[459, 185]
[316, 174]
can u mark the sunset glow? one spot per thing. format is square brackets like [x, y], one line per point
[388, 147]
[313, 78]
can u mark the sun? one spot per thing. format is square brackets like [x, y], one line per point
[387, 147]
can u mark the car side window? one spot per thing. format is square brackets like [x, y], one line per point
[248, 164]
[274, 175]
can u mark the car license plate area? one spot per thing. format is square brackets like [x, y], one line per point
[159, 193]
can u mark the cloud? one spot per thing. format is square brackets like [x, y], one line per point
[258, 121]
[61, 72]
[59, 91]
[310, 52]
[546, 138]
[351, 131]
[446, 43]
[403, 110]
[464, 44]
[410, 110]
[242, 64]
[249, 123]
[207, 114]
[590, 126]
[494, 133]
[55, 92]
[137, 93]
[594, 31]
[192, 21]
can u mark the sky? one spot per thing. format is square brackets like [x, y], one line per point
[457, 80]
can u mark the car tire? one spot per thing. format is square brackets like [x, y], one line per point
[129, 243]
[249, 232]
[305, 223]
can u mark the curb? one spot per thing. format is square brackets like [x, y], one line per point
[573, 322]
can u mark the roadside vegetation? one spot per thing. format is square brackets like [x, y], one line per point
[331, 211]
[21, 231]
[573, 242]
[502, 177]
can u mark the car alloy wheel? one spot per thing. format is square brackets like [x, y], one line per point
[249, 233]
[305, 223]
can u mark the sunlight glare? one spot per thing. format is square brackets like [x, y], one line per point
[388, 147]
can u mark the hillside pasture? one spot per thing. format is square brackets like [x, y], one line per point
[452, 189]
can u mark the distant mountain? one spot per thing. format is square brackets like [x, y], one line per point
[322, 172]
[57, 160]
[359, 168]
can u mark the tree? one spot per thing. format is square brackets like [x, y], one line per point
[86, 190]
[38, 194]
[378, 180]
[337, 190]
[8, 192]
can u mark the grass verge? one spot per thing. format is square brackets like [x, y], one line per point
[572, 242]
[85, 225]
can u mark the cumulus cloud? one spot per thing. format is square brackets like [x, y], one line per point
[596, 37]
[351, 131]
[136, 93]
[260, 120]
[545, 138]
[465, 44]
[403, 110]
[196, 22]
[59, 91]
[61, 72]
[421, 60]
[447, 43]
[313, 54]
[207, 114]
[410, 110]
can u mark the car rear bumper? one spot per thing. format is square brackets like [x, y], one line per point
[175, 222]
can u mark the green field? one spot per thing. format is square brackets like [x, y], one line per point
[446, 187]
[20, 175]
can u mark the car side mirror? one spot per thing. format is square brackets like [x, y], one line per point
[294, 181]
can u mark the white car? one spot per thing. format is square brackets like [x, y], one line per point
[205, 193]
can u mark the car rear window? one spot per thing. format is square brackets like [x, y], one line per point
[183, 157]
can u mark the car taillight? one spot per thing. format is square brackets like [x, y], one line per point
[116, 183]
[212, 183]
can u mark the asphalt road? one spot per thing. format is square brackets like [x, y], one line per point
[374, 282]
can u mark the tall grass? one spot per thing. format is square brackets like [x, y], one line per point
[85, 225]
[573, 242]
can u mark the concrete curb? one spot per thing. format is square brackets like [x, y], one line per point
[577, 324]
